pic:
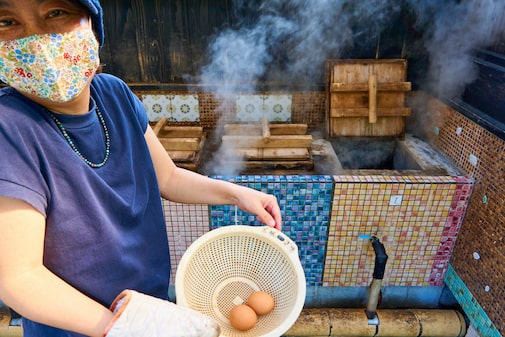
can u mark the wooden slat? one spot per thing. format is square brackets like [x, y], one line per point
[159, 125]
[393, 86]
[180, 144]
[288, 129]
[181, 131]
[275, 164]
[372, 99]
[364, 112]
[271, 154]
[285, 141]
[275, 129]
[361, 100]
[350, 107]
[265, 129]
[182, 156]
[351, 126]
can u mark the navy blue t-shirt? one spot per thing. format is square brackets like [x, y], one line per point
[105, 229]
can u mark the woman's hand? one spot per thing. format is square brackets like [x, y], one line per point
[184, 186]
[264, 205]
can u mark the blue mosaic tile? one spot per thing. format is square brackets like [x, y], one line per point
[470, 305]
[305, 203]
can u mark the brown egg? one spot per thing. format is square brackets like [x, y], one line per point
[242, 317]
[261, 302]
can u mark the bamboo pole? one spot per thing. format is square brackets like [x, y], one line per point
[333, 322]
[11, 331]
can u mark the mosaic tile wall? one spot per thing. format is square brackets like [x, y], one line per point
[479, 256]
[417, 218]
[324, 215]
[185, 224]
[305, 203]
[475, 312]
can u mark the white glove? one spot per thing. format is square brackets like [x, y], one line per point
[140, 315]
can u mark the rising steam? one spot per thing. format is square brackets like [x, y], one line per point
[289, 40]
[454, 30]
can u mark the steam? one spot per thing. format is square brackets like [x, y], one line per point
[288, 41]
[454, 30]
[291, 39]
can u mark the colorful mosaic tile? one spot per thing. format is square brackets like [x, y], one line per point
[474, 311]
[409, 214]
[417, 218]
[483, 230]
[252, 108]
[176, 108]
[185, 223]
[305, 203]
[461, 199]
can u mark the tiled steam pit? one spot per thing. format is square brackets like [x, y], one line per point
[482, 229]
[324, 215]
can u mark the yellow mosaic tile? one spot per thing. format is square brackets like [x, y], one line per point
[410, 231]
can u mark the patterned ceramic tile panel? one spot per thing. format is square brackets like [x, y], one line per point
[305, 203]
[474, 311]
[185, 224]
[252, 108]
[412, 230]
[177, 108]
[249, 108]
[157, 106]
[306, 107]
[277, 107]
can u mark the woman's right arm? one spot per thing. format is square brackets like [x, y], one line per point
[28, 287]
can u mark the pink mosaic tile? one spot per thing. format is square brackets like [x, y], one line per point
[185, 223]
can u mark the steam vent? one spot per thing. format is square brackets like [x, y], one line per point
[370, 121]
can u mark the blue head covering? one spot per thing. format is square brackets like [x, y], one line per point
[95, 9]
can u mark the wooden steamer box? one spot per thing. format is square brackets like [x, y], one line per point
[183, 143]
[268, 146]
[366, 97]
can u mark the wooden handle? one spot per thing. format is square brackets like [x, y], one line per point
[159, 126]
[372, 99]
[265, 129]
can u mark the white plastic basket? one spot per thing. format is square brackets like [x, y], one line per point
[223, 267]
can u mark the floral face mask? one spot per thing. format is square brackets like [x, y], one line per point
[55, 67]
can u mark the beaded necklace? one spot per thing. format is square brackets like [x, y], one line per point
[74, 147]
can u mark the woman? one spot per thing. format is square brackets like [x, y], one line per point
[81, 177]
